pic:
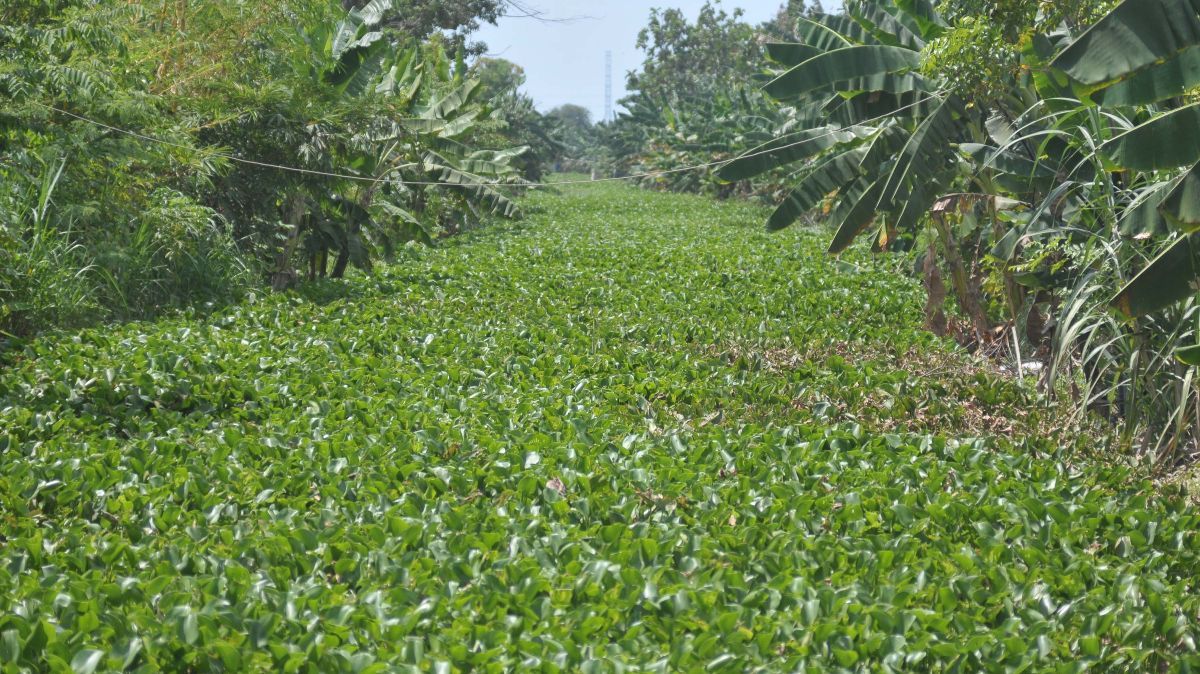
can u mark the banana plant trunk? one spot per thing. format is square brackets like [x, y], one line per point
[964, 290]
[935, 294]
[1014, 295]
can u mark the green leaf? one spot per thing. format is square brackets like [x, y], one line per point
[128, 651]
[1168, 79]
[1181, 207]
[1142, 217]
[344, 36]
[842, 24]
[10, 646]
[887, 140]
[819, 36]
[928, 151]
[373, 12]
[845, 658]
[1165, 142]
[720, 662]
[890, 83]
[361, 68]
[925, 15]
[784, 150]
[1169, 278]
[790, 53]
[855, 213]
[475, 187]
[189, 626]
[824, 71]
[870, 108]
[916, 204]
[1010, 161]
[1189, 355]
[452, 103]
[1136, 34]
[86, 661]
[887, 24]
[819, 183]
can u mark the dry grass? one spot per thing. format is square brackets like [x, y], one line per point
[928, 391]
[1186, 478]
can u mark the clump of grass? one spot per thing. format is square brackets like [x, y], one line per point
[46, 281]
[44, 275]
[176, 254]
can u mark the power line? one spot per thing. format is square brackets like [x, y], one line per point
[371, 179]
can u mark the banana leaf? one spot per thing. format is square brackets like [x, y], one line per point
[1168, 141]
[1169, 278]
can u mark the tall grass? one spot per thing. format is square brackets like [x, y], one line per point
[44, 276]
[45, 281]
[1127, 370]
[1124, 370]
[176, 253]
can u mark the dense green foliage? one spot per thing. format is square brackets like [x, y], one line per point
[88, 217]
[422, 18]
[693, 102]
[510, 453]
[1034, 161]
[579, 148]
[633, 432]
[1003, 142]
[96, 223]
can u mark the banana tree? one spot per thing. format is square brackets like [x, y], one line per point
[1092, 149]
[401, 160]
[412, 121]
[339, 68]
[1147, 52]
[874, 137]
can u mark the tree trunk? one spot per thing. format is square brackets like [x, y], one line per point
[284, 276]
[340, 264]
[964, 291]
[318, 264]
[1014, 294]
[935, 294]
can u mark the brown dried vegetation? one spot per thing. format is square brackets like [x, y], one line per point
[922, 391]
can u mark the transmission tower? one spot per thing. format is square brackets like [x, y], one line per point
[608, 108]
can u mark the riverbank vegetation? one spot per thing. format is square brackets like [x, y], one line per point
[307, 366]
[142, 146]
[1033, 162]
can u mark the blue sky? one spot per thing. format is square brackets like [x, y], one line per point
[564, 60]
